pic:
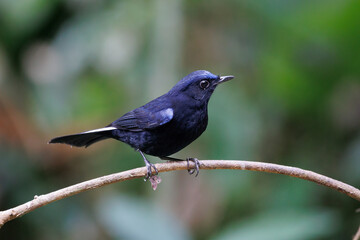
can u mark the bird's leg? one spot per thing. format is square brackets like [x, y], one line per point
[190, 171]
[149, 165]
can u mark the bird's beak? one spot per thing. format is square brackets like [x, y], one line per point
[225, 79]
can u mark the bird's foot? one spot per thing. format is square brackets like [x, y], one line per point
[149, 167]
[197, 166]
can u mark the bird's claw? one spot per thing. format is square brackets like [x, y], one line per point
[197, 166]
[149, 171]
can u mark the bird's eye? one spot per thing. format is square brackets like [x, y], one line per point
[204, 84]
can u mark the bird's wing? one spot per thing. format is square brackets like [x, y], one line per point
[141, 119]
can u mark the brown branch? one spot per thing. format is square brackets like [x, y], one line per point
[45, 199]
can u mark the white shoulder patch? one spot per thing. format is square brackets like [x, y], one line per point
[167, 113]
[101, 130]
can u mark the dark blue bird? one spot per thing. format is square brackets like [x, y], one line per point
[163, 126]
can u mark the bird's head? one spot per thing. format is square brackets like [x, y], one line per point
[199, 85]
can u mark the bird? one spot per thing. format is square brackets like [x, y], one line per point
[162, 126]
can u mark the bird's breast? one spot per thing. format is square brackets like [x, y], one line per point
[191, 123]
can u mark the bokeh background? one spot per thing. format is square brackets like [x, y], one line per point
[73, 65]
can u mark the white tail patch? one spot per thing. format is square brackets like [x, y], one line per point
[101, 130]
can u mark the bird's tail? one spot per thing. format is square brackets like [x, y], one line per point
[85, 139]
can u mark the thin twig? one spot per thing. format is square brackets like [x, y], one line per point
[357, 235]
[45, 199]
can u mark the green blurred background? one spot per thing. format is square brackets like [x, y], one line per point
[73, 65]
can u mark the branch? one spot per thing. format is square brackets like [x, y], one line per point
[45, 199]
[357, 235]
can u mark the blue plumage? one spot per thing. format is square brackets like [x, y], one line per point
[163, 126]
